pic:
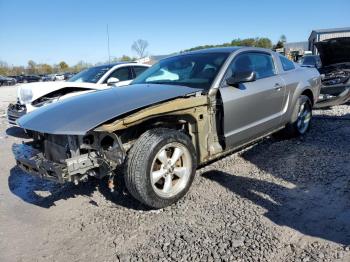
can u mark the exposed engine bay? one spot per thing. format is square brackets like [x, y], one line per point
[335, 88]
[70, 158]
[335, 75]
[335, 57]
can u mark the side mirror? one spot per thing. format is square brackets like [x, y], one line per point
[112, 81]
[241, 77]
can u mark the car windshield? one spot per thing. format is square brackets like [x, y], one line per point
[192, 70]
[308, 60]
[90, 75]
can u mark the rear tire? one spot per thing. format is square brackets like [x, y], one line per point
[160, 167]
[301, 118]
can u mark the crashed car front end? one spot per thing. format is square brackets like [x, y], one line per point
[70, 158]
[335, 88]
[69, 144]
[335, 71]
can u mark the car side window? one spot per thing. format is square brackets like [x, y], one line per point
[139, 69]
[261, 63]
[123, 74]
[287, 64]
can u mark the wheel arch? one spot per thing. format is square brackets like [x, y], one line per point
[186, 123]
[307, 92]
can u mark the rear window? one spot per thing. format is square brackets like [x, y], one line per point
[287, 64]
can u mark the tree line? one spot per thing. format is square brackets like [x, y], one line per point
[33, 68]
[262, 42]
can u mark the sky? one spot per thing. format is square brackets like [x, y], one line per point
[51, 31]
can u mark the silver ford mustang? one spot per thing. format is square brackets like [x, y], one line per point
[181, 113]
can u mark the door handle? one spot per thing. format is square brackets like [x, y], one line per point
[277, 87]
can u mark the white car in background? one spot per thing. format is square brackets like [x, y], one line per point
[59, 77]
[35, 95]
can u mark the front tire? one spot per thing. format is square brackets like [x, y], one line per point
[301, 118]
[160, 167]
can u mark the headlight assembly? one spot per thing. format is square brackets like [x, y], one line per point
[25, 95]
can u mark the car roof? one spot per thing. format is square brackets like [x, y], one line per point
[111, 65]
[227, 50]
[215, 50]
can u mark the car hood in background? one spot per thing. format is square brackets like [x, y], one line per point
[334, 51]
[40, 89]
[80, 114]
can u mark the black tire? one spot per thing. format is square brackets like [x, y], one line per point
[293, 128]
[141, 159]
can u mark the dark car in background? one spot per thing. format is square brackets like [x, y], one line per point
[28, 78]
[335, 71]
[68, 75]
[7, 81]
[311, 60]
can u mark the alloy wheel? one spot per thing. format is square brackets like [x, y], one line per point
[171, 170]
[304, 117]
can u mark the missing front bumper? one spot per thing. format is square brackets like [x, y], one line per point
[33, 162]
[73, 169]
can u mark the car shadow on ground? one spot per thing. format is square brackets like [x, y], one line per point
[45, 194]
[16, 132]
[314, 197]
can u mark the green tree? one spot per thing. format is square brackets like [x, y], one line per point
[263, 42]
[125, 58]
[4, 68]
[248, 42]
[236, 42]
[63, 66]
[31, 68]
[258, 42]
[44, 69]
[17, 70]
[81, 65]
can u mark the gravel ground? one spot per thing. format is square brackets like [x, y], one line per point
[279, 200]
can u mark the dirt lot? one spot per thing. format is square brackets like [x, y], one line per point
[278, 200]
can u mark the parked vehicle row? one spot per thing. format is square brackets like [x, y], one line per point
[7, 81]
[37, 78]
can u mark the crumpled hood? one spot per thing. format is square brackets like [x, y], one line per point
[40, 89]
[334, 51]
[80, 114]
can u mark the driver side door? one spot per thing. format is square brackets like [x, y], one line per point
[254, 108]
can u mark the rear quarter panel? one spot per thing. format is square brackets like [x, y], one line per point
[297, 81]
